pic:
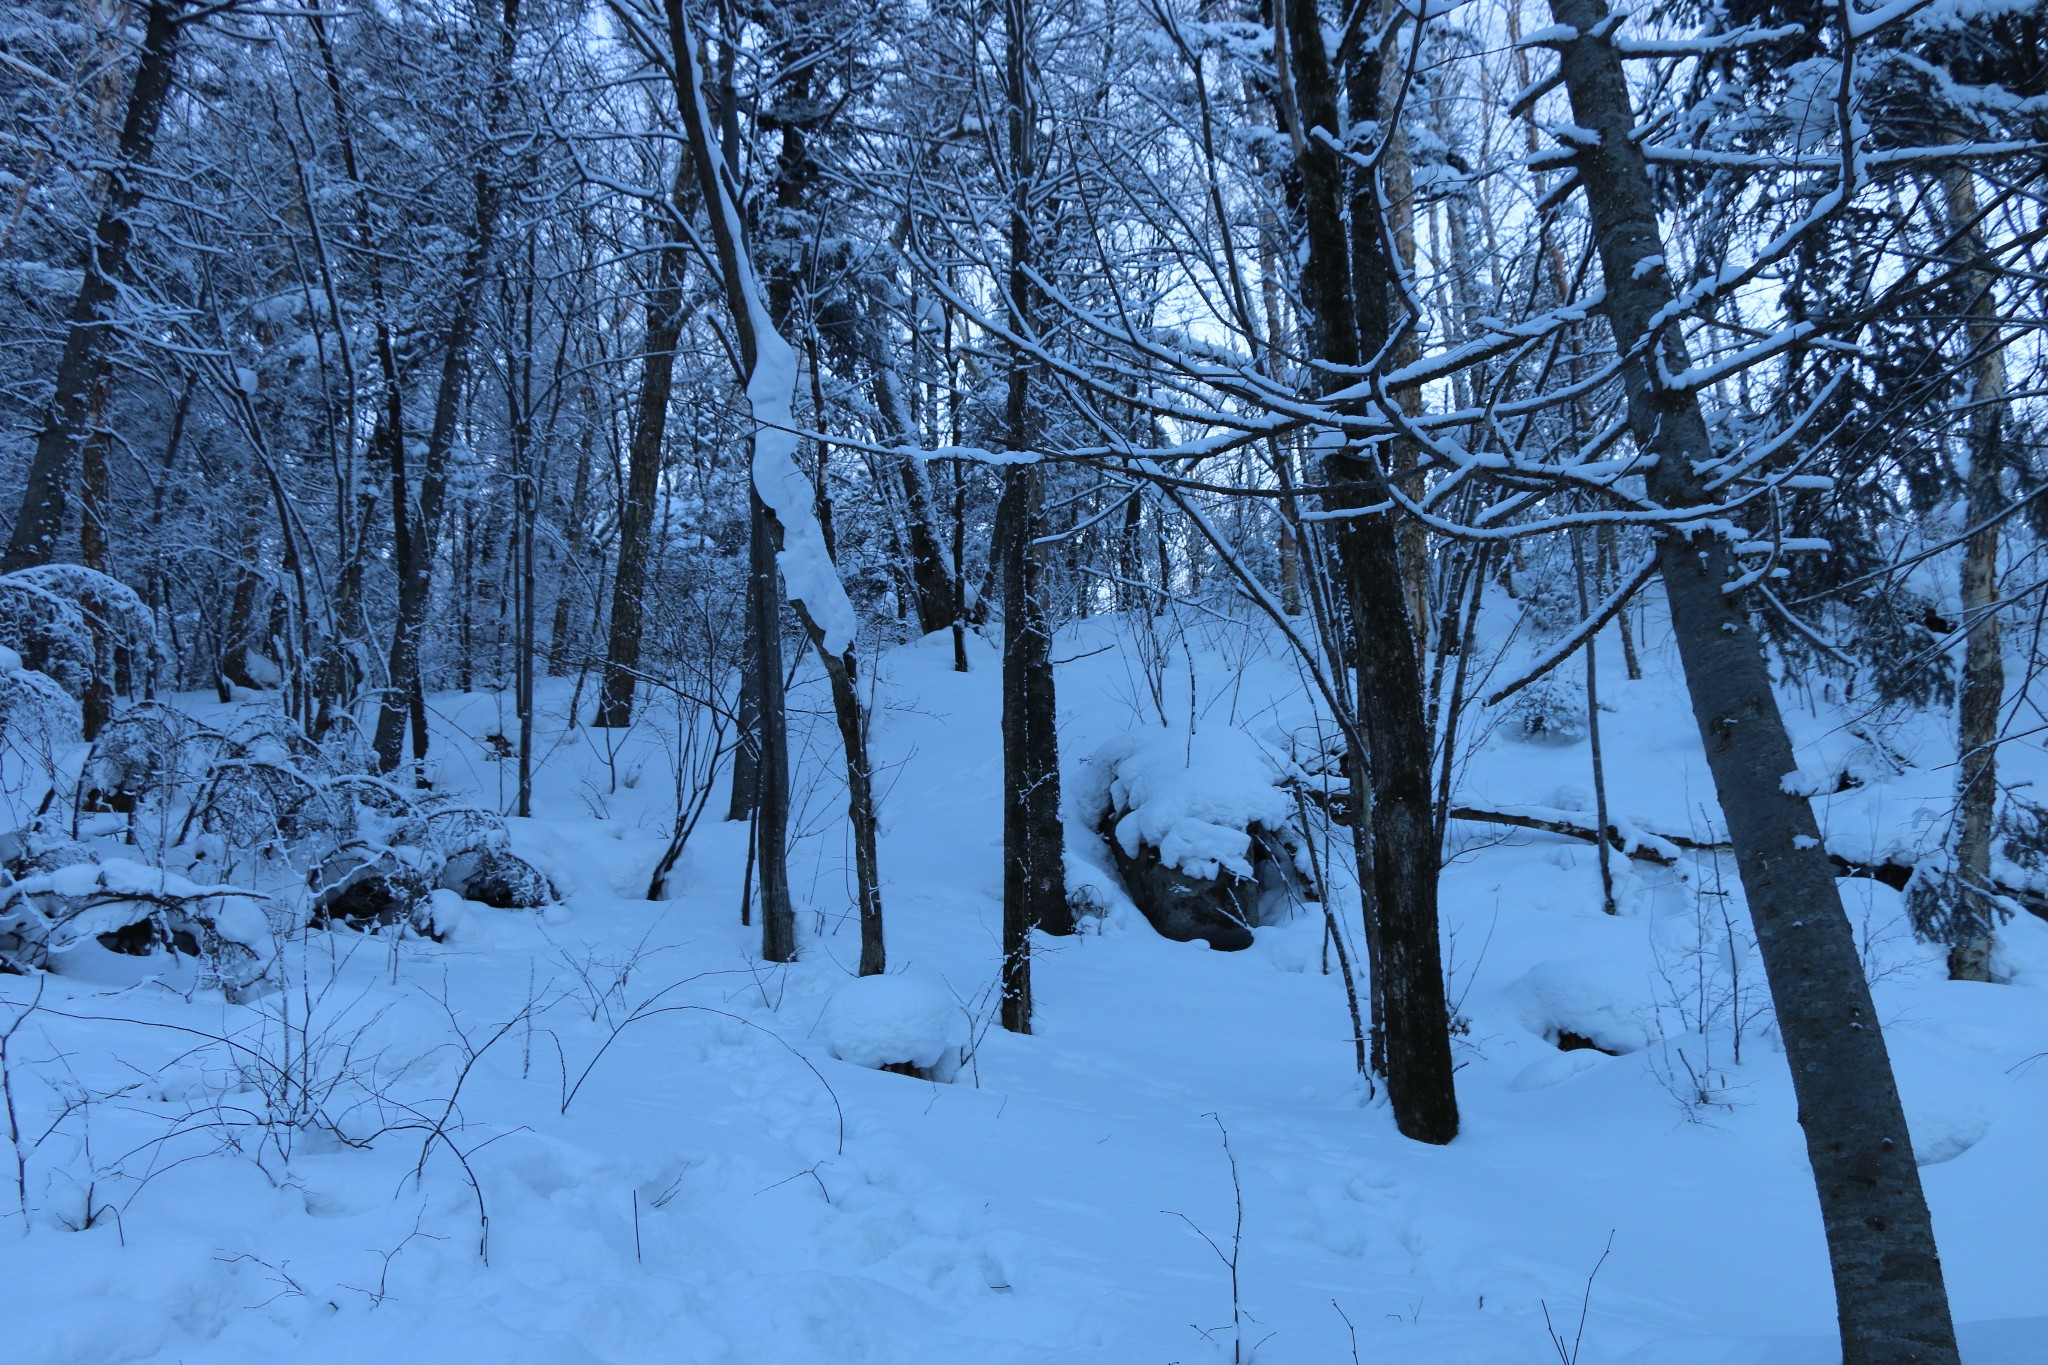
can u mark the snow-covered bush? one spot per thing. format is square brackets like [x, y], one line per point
[1553, 708]
[71, 623]
[130, 908]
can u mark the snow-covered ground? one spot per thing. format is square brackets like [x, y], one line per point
[607, 1132]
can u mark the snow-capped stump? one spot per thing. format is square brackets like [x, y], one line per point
[369, 888]
[904, 1023]
[1200, 827]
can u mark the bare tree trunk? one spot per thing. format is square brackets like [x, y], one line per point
[416, 528]
[575, 535]
[643, 475]
[1600, 820]
[1969, 957]
[935, 593]
[1347, 285]
[88, 335]
[769, 368]
[96, 707]
[1034, 853]
[241, 637]
[769, 790]
[1889, 1292]
[746, 753]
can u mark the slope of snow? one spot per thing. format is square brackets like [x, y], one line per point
[606, 1132]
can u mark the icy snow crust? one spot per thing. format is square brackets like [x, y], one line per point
[676, 1168]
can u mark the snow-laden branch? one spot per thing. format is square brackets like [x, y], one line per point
[808, 572]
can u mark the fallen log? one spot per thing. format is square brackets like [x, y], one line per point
[1664, 849]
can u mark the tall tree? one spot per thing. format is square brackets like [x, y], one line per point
[416, 516]
[1034, 870]
[1889, 1291]
[1350, 297]
[785, 505]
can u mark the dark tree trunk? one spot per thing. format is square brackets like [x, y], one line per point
[1350, 318]
[1034, 846]
[95, 508]
[643, 475]
[563, 638]
[769, 790]
[1889, 1293]
[244, 606]
[88, 335]
[934, 594]
[416, 527]
[746, 752]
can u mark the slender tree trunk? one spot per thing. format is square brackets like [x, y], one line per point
[416, 527]
[643, 475]
[934, 591]
[563, 637]
[1034, 853]
[769, 789]
[1593, 727]
[243, 606]
[769, 367]
[1969, 957]
[88, 335]
[1889, 1293]
[1351, 315]
[746, 753]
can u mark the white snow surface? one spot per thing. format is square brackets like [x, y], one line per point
[676, 1168]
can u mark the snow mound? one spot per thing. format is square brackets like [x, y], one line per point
[1583, 998]
[1942, 1132]
[904, 1020]
[1193, 797]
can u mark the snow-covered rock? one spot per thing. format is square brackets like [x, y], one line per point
[1191, 817]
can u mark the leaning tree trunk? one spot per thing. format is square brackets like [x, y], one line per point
[643, 473]
[783, 498]
[1349, 317]
[1969, 957]
[88, 335]
[1889, 1293]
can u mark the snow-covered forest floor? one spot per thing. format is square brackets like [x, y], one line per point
[607, 1132]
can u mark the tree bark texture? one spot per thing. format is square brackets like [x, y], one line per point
[1983, 691]
[1034, 844]
[1890, 1297]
